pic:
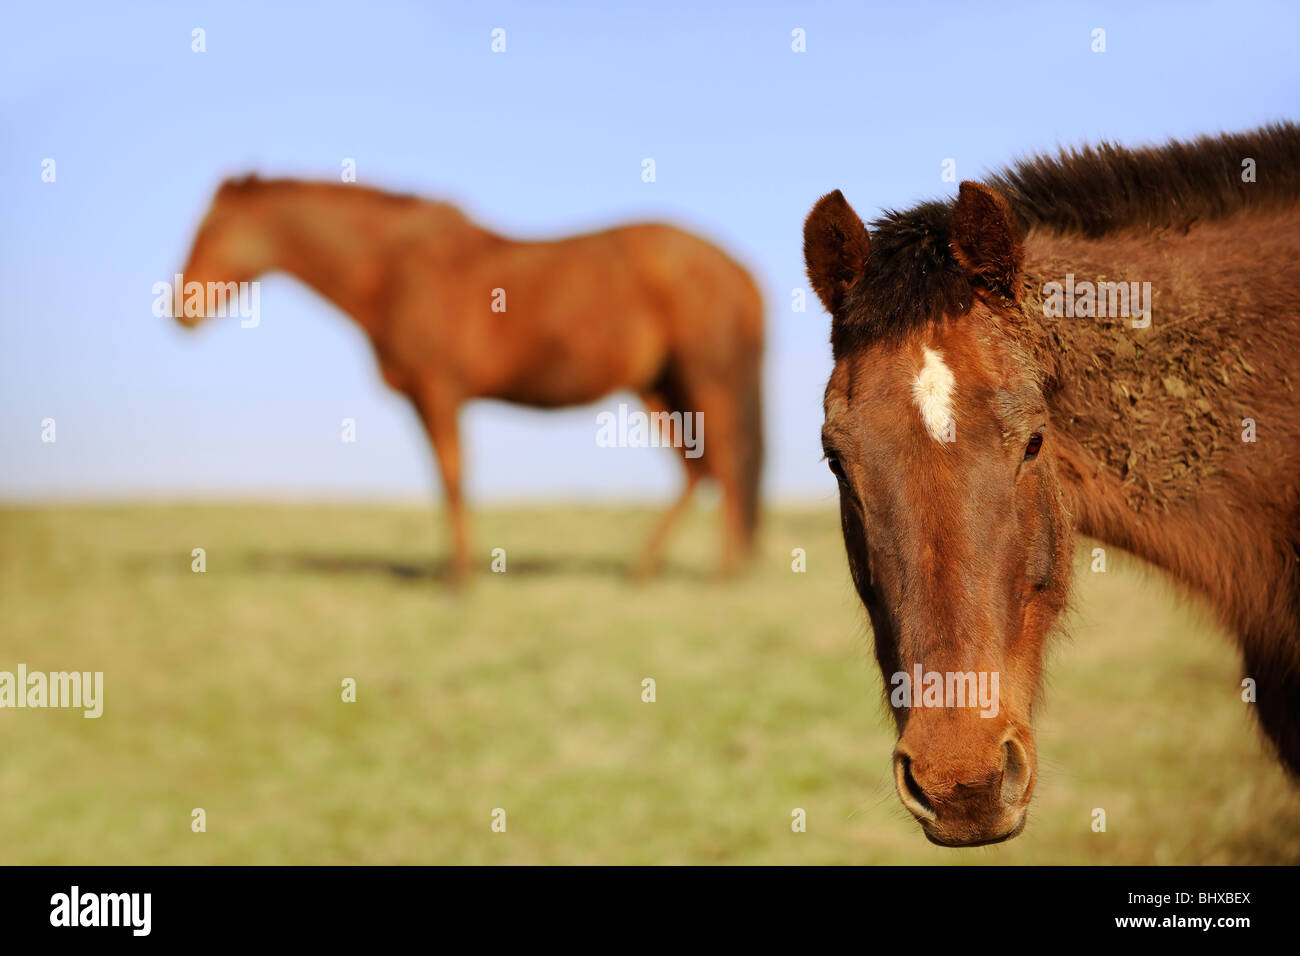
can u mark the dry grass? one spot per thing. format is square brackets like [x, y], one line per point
[223, 692]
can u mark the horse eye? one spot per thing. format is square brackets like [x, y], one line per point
[1035, 444]
[836, 468]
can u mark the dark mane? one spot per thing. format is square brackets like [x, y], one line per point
[911, 277]
[1094, 191]
[1090, 191]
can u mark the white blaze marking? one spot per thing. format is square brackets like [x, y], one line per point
[932, 391]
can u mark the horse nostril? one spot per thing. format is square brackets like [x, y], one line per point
[909, 791]
[1015, 775]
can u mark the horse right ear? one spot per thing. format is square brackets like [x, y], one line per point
[835, 249]
[237, 183]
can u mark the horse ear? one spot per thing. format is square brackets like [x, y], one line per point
[235, 183]
[986, 241]
[835, 249]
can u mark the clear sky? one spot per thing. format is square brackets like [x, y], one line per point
[544, 139]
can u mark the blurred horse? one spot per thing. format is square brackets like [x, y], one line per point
[456, 312]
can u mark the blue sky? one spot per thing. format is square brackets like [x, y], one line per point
[542, 140]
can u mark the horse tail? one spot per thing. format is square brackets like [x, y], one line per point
[749, 413]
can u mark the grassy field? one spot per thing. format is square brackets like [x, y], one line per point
[222, 691]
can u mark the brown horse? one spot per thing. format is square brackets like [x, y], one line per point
[998, 384]
[456, 312]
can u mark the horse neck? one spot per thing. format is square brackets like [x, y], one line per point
[328, 239]
[1147, 421]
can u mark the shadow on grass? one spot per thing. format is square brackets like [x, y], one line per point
[439, 570]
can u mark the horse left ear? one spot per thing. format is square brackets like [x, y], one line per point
[986, 241]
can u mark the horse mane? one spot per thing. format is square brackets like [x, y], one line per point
[1089, 191]
[1093, 191]
[253, 184]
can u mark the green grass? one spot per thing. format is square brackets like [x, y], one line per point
[222, 691]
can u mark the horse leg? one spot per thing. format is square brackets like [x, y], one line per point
[653, 554]
[719, 435]
[1273, 666]
[650, 559]
[439, 409]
